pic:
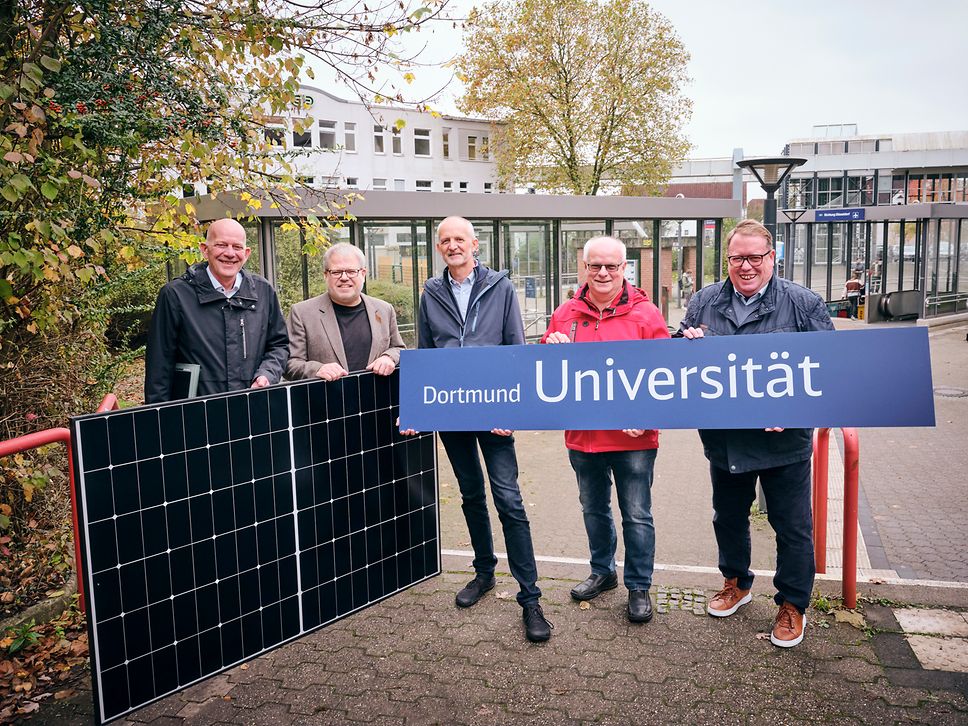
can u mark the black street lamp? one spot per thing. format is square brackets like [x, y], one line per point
[788, 249]
[770, 173]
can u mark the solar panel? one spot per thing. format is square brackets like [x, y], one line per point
[215, 529]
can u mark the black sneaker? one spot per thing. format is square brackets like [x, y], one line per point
[474, 590]
[640, 606]
[536, 627]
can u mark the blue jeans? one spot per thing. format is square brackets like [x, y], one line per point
[789, 510]
[632, 471]
[502, 470]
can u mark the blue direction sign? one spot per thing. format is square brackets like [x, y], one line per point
[839, 215]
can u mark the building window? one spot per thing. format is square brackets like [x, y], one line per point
[327, 134]
[961, 189]
[827, 148]
[860, 190]
[883, 188]
[424, 185]
[830, 192]
[463, 187]
[329, 182]
[897, 189]
[472, 148]
[397, 143]
[448, 186]
[885, 145]
[445, 146]
[306, 180]
[800, 193]
[862, 146]
[803, 149]
[488, 187]
[946, 188]
[485, 147]
[914, 189]
[380, 184]
[349, 137]
[302, 139]
[421, 142]
[399, 185]
[352, 182]
[379, 139]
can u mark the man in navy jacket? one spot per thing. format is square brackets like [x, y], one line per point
[471, 305]
[753, 300]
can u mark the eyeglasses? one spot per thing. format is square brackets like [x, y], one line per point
[754, 260]
[595, 268]
[349, 273]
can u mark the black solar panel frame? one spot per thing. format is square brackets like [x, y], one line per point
[292, 429]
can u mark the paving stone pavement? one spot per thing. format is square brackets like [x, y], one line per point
[913, 479]
[416, 659]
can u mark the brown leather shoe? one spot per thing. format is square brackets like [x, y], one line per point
[727, 601]
[788, 627]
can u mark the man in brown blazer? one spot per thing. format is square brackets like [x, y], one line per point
[342, 330]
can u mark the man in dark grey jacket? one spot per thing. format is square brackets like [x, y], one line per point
[471, 305]
[753, 300]
[226, 321]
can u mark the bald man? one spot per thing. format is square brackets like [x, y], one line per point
[227, 321]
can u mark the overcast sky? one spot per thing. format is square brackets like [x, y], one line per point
[766, 71]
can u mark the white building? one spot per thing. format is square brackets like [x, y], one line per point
[351, 146]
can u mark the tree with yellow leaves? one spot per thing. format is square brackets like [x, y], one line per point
[587, 93]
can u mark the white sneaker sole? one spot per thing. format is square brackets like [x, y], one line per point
[748, 597]
[790, 643]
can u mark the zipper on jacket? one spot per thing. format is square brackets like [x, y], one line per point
[242, 326]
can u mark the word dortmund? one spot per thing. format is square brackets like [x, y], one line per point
[775, 380]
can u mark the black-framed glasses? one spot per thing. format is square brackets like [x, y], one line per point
[595, 268]
[754, 260]
[349, 273]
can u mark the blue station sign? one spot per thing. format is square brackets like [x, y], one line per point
[861, 378]
[839, 215]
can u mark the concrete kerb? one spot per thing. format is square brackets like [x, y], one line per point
[45, 610]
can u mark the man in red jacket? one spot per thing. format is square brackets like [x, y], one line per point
[605, 308]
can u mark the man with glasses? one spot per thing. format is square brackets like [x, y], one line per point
[605, 308]
[470, 305]
[225, 321]
[753, 300]
[342, 330]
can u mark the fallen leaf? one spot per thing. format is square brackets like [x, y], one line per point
[762, 636]
[244, 667]
[66, 693]
[850, 616]
[29, 707]
[585, 606]
[504, 595]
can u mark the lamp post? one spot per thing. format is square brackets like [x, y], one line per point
[770, 173]
[793, 215]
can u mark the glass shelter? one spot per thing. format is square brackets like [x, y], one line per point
[538, 239]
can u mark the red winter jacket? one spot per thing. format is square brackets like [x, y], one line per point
[630, 317]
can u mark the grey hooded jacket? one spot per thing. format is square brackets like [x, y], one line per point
[493, 314]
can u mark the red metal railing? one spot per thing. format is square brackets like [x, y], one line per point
[821, 448]
[53, 436]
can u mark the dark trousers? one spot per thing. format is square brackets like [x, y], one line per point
[632, 472]
[788, 502]
[502, 470]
